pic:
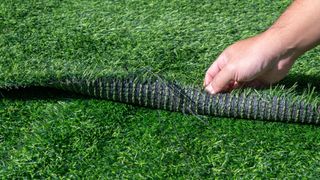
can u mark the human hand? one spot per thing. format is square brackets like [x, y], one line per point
[255, 62]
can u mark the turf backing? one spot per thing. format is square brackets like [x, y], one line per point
[63, 135]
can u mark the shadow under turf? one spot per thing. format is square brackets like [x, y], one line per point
[302, 81]
[48, 93]
[37, 92]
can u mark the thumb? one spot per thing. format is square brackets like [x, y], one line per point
[221, 80]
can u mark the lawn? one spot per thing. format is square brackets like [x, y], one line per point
[61, 135]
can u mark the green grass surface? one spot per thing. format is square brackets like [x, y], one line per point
[72, 136]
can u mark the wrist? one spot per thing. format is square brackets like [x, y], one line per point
[282, 45]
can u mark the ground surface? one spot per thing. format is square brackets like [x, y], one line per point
[61, 135]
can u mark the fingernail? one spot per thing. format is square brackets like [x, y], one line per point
[210, 89]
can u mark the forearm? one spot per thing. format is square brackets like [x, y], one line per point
[298, 28]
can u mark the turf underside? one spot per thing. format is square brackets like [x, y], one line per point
[55, 134]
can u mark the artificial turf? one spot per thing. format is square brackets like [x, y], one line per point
[63, 135]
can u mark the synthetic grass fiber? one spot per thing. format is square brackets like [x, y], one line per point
[49, 133]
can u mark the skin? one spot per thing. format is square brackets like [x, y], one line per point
[266, 58]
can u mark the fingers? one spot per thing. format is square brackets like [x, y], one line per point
[211, 72]
[217, 77]
[215, 68]
[221, 81]
[224, 80]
